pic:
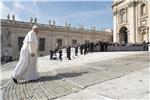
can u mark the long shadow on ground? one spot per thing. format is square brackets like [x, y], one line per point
[56, 77]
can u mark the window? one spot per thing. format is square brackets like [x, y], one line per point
[123, 16]
[20, 42]
[143, 9]
[74, 42]
[41, 44]
[59, 43]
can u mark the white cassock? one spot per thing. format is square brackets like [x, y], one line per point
[26, 69]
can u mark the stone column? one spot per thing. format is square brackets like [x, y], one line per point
[138, 35]
[128, 35]
[67, 40]
[115, 27]
[149, 24]
[117, 37]
[131, 20]
[82, 27]
[79, 26]
[94, 28]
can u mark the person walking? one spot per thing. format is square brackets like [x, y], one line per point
[60, 54]
[26, 68]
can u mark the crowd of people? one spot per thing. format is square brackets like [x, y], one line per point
[81, 49]
[89, 47]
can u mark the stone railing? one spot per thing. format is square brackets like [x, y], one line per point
[126, 48]
[46, 26]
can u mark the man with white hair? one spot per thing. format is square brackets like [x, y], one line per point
[26, 69]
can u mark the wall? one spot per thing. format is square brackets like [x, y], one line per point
[51, 34]
[133, 22]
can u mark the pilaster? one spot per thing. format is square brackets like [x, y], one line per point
[132, 21]
[115, 27]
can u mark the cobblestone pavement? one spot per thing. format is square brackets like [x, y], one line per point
[106, 70]
[62, 82]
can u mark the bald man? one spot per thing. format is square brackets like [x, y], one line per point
[26, 68]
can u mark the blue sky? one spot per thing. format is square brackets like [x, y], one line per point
[87, 13]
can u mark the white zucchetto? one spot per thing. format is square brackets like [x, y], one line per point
[35, 26]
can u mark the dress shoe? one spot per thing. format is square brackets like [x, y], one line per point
[32, 80]
[15, 80]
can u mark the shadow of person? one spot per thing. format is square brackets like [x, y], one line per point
[56, 77]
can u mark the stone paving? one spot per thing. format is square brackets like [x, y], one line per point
[102, 71]
[47, 87]
[62, 82]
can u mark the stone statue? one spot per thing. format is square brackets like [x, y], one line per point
[31, 19]
[13, 17]
[53, 23]
[94, 28]
[35, 20]
[91, 28]
[82, 26]
[66, 24]
[8, 17]
[49, 22]
[79, 26]
[69, 25]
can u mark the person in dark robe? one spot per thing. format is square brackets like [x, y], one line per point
[81, 49]
[92, 47]
[102, 46]
[76, 51]
[51, 52]
[85, 49]
[68, 52]
[88, 47]
[105, 46]
[144, 45]
[60, 54]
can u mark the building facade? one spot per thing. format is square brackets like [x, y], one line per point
[131, 21]
[49, 37]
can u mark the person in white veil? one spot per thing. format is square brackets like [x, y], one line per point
[26, 68]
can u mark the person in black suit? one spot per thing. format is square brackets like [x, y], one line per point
[76, 50]
[81, 49]
[85, 49]
[51, 52]
[68, 52]
[60, 54]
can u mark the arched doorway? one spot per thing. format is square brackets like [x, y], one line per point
[143, 34]
[123, 36]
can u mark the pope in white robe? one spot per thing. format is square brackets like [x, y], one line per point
[26, 68]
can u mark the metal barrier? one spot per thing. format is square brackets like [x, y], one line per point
[126, 48]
